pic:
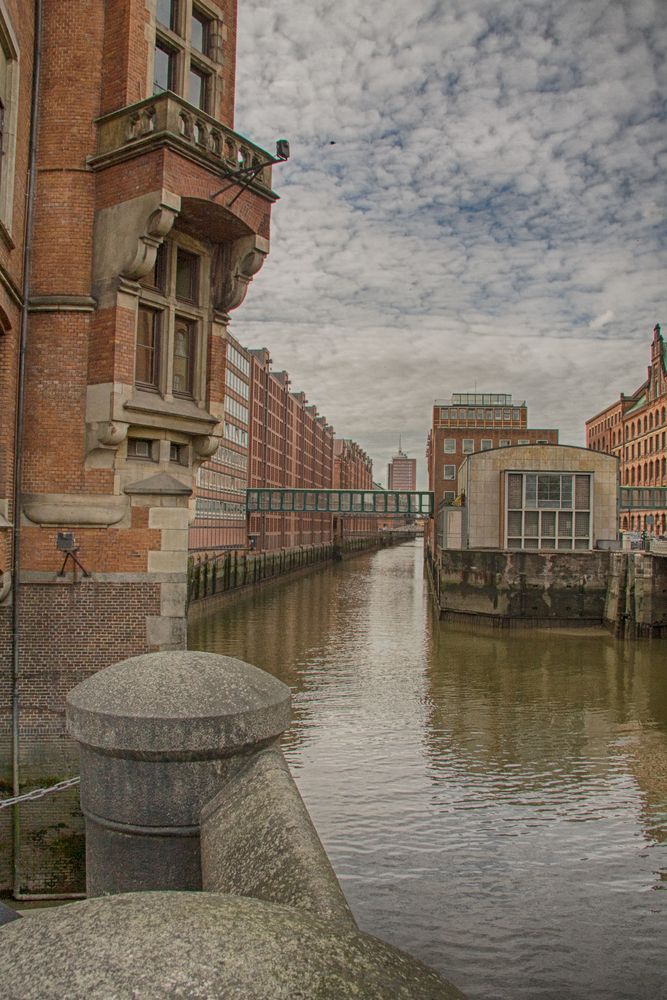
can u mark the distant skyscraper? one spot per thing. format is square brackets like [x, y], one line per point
[402, 471]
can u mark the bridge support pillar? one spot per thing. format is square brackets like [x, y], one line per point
[158, 735]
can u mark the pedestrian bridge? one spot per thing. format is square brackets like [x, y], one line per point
[345, 502]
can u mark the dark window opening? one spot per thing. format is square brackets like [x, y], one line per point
[140, 448]
[158, 273]
[187, 273]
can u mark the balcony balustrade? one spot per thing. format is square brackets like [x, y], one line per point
[166, 119]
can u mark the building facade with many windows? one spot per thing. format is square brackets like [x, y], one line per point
[352, 470]
[634, 429]
[143, 238]
[402, 472]
[472, 422]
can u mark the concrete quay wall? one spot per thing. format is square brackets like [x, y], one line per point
[624, 591]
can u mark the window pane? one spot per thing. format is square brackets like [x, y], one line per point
[565, 522]
[200, 31]
[155, 277]
[514, 522]
[531, 491]
[531, 522]
[187, 266]
[514, 489]
[566, 488]
[582, 489]
[548, 523]
[167, 13]
[184, 343]
[581, 523]
[148, 347]
[197, 80]
[163, 75]
[450, 446]
[548, 491]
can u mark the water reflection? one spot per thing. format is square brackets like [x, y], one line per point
[495, 803]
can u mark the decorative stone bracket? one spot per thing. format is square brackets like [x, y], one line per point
[127, 237]
[236, 265]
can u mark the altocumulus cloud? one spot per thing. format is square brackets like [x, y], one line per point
[491, 214]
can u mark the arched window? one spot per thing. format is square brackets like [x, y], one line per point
[625, 522]
[664, 414]
[650, 421]
[632, 429]
[632, 476]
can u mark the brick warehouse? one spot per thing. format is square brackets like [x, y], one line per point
[120, 309]
[272, 437]
[634, 429]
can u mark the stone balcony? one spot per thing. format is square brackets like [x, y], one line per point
[167, 120]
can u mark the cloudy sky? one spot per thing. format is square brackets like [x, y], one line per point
[475, 198]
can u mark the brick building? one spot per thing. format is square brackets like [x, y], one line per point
[634, 429]
[140, 246]
[471, 422]
[291, 446]
[352, 470]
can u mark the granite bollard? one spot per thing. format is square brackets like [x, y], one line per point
[158, 735]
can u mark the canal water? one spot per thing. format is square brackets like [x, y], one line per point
[494, 803]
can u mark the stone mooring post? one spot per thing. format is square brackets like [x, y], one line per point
[158, 735]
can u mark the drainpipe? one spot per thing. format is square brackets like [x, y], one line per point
[18, 436]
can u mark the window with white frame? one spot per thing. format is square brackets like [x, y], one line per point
[449, 496]
[487, 444]
[450, 472]
[9, 98]
[468, 446]
[450, 446]
[170, 353]
[505, 443]
[548, 510]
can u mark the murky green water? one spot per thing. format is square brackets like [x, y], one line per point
[495, 804]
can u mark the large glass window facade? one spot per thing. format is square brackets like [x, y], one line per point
[548, 510]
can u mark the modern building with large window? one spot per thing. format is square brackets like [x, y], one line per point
[114, 351]
[634, 429]
[560, 498]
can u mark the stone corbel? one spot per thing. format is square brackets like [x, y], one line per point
[157, 227]
[105, 434]
[127, 237]
[203, 446]
[237, 264]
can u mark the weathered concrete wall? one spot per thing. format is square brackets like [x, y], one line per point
[636, 601]
[538, 588]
